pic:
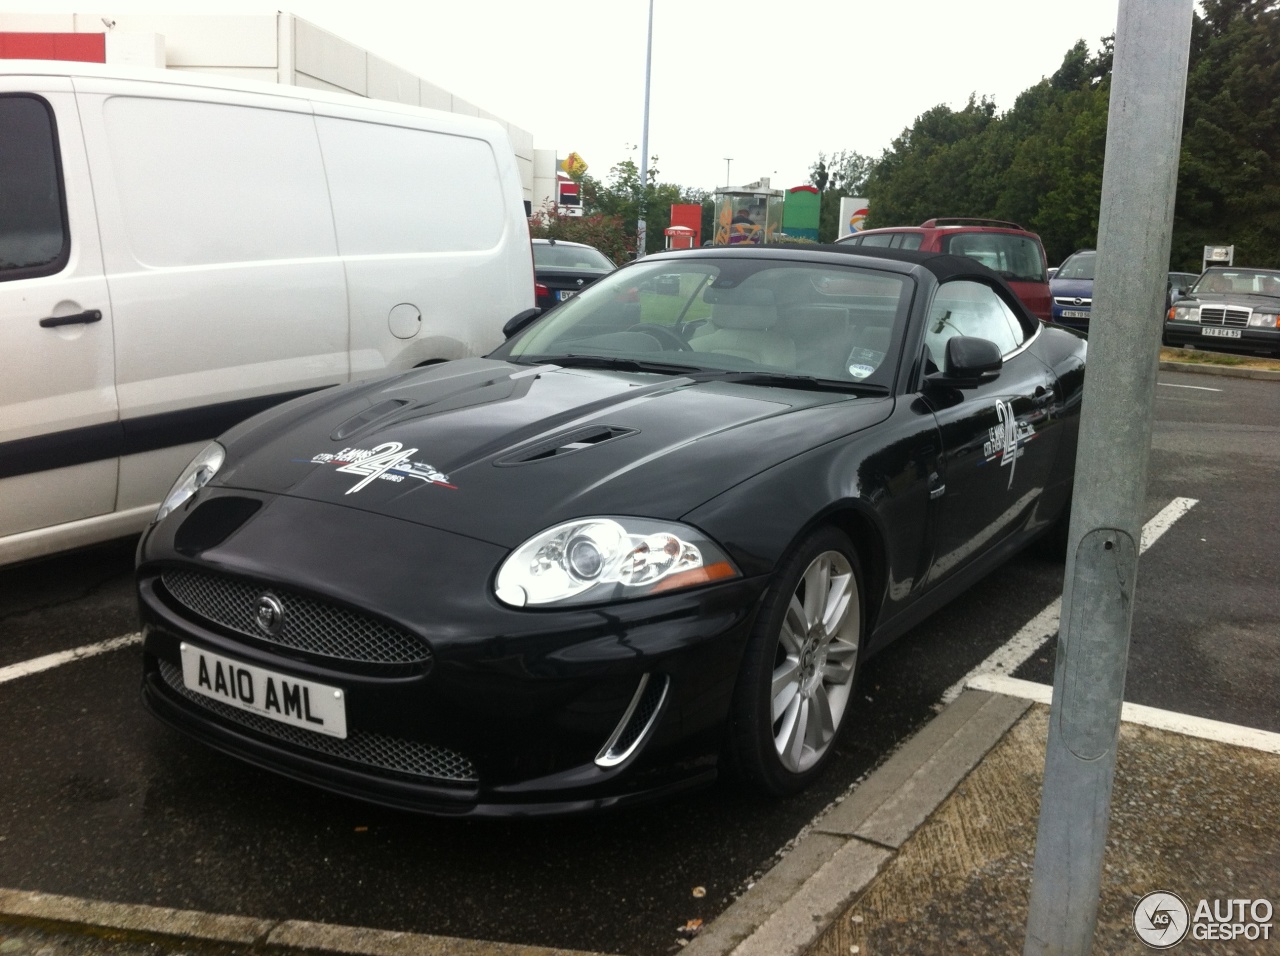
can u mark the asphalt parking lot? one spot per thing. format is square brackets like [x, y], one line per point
[100, 801]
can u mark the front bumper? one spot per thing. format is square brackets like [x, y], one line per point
[507, 710]
[1209, 336]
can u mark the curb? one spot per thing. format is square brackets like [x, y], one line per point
[1231, 371]
[159, 925]
[792, 905]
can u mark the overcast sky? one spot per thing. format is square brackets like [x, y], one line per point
[768, 83]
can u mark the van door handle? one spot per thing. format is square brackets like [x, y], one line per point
[80, 318]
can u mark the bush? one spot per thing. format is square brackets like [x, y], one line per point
[605, 233]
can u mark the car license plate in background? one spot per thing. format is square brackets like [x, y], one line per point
[1074, 314]
[566, 294]
[1222, 333]
[290, 700]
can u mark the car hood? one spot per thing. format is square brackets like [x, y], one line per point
[498, 451]
[1072, 287]
[1238, 300]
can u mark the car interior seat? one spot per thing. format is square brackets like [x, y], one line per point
[742, 324]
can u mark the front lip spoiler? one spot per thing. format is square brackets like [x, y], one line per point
[442, 801]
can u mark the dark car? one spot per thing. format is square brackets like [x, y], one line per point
[1072, 288]
[1004, 247]
[1229, 308]
[563, 269]
[652, 536]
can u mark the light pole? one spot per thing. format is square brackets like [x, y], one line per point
[727, 161]
[641, 232]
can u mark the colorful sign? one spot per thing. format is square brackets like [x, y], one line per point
[853, 215]
[574, 165]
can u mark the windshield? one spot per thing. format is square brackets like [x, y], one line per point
[731, 314]
[559, 255]
[1016, 258]
[1239, 282]
[1078, 266]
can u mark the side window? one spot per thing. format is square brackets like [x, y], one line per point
[880, 239]
[33, 221]
[909, 240]
[970, 308]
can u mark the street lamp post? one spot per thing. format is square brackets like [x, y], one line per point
[727, 161]
[641, 232]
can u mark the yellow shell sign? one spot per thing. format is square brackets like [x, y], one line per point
[573, 164]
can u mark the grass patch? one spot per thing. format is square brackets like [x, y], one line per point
[1198, 357]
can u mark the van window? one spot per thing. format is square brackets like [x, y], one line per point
[400, 190]
[1016, 258]
[206, 183]
[33, 221]
[970, 308]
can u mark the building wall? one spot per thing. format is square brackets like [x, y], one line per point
[270, 48]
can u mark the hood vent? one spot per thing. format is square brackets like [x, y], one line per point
[567, 444]
[368, 416]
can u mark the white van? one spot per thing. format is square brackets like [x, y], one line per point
[178, 252]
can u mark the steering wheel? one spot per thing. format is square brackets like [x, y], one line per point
[667, 338]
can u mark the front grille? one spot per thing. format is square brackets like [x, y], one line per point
[359, 747]
[1233, 318]
[1070, 302]
[308, 625]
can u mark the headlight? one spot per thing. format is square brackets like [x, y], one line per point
[1184, 313]
[593, 560]
[1264, 320]
[194, 477]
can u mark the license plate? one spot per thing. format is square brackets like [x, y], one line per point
[565, 294]
[1074, 314]
[290, 700]
[1221, 333]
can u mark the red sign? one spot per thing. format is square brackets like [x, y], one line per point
[84, 47]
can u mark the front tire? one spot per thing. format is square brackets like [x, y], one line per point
[800, 666]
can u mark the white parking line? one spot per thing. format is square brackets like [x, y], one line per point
[1198, 388]
[1201, 727]
[1018, 650]
[49, 661]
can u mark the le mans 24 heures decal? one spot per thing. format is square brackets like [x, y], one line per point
[1006, 440]
[389, 461]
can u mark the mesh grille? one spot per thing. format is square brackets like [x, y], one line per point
[650, 700]
[322, 629]
[360, 747]
[1221, 315]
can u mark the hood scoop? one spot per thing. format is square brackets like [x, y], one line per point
[566, 444]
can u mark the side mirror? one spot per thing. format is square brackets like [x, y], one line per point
[969, 361]
[519, 321]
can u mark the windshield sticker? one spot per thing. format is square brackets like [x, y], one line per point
[389, 461]
[1007, 440]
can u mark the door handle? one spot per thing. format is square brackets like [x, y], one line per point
[80, 318]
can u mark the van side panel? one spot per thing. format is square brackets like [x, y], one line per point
[430, 224]
[59, 428]
[221, 259]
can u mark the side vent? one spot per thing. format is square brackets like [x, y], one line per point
[639, 718]
[567, 444]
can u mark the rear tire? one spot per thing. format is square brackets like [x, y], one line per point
[800, 667]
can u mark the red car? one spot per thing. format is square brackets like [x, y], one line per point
[1004, 247]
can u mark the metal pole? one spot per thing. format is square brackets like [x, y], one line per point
[1139, 181]
[727, 161]
[641, 231]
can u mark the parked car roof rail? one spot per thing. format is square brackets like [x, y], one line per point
[962, 220]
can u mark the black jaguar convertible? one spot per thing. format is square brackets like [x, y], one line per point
[649, 539]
